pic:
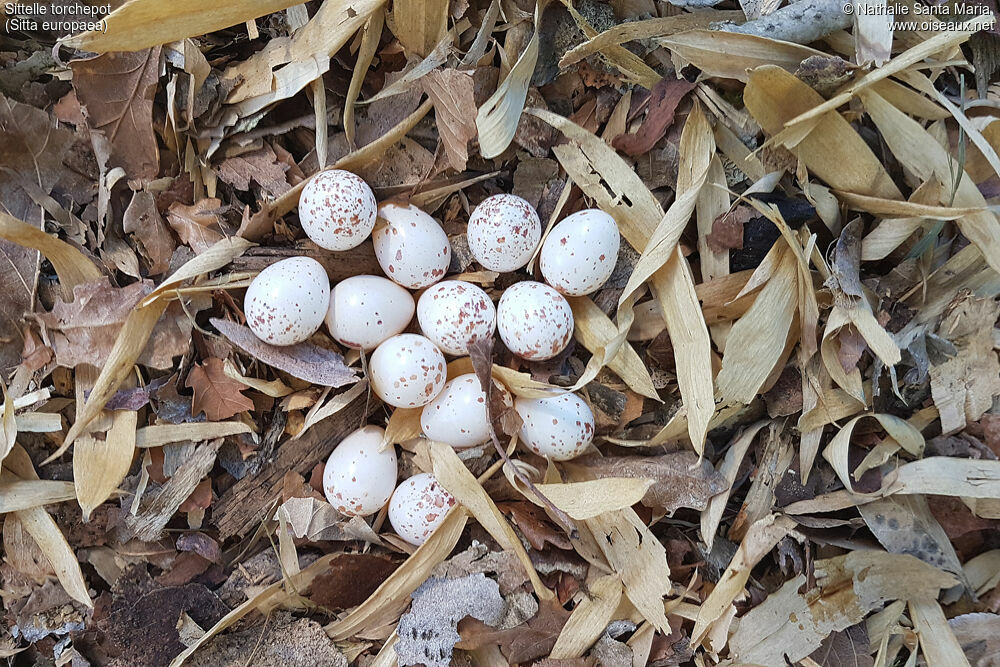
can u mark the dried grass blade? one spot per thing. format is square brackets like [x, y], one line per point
[419, 24]
[711, 516]
[71, 265]
[99, 466]
[17, 494]
[370, 36]
[585, 500]
[8, 424]
[164, 434]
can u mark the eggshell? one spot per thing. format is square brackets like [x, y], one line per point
[411, 247]
[418, 506]
[559, 428]
[358, 478]
[286, 302]
[503, 232]
[579, 254]
[337, 210]
[407, 371]
[365, 310]
[455, 313]
[534, 320]
[457, 416]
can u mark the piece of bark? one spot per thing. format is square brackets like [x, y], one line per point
[801, 22]
[245, 504]
[338, 265]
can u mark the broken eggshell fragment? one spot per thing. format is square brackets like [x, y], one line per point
[359, 479]
[286, 302]
[410, 246]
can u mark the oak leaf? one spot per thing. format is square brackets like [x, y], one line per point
[215, 393]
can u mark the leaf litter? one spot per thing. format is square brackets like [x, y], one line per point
[794, 368]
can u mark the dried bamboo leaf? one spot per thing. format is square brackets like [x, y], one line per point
[419, 25]
[370, 36]
[594, 330]
[585, 500]
[833, 150]
[632, 67]
[634, 554]
[887, 208]
[164, 434]
[498, 117]
[140, 24]
[758, 542]
[946, 476]
[713, 201]
[452, 474]
[8, 424]
[45, 531]
[99, 466]
[589, 619]
[71, 265]
[903, 433]
[748, 364]
[646, 29]
[711, 516]
[320, 412]
[937, 640]
[916, 148]
[17, 494]
[732, 55]
[392, 597]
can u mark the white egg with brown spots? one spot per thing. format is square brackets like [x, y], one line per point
[286, 302]
[579, 254]
[535, 321]
[454, 314]
[418, 506]
[457, 416]
[558, 427]
[407, 371]
[503, 232]
[337, 210]
[366, 310]
[410, 246]
[360, 476]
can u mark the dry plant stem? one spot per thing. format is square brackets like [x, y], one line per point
[481, 354]
[801, 22]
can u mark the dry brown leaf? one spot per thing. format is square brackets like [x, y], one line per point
[215, 393]
[452, 94]
[117, 90]
[663, 101]
[197, 225]
[143, 221]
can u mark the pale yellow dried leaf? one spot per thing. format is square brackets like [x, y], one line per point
[901, 431]
[646, 29]
[747, 364]
[164, 434]
[946, 476]
[732, 55]
[585, 500]
[733, 148]
[273, 388]
[140, 24]
[8, 424]
[713, 201]
[589, 619]
[71, 265]
[758, 542]
[404, 424]
[17, 494]
[887, 208]
[99, 466]
[833, 150]
[631, 66]
[594, 330]
[498, 117]
[983, 571]
[419, 24]
[370, 36]
[937, 641]
[711, 516]
[639, 558]
[908, 100]
[916, 148]
[319, 412]
[452, 474]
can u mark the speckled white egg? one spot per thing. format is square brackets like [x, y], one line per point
[559, 428]
[365, 310]
[411, 247]
[579, 254]
[337, 210]
[407, 371]
[455, 313]
[286, 302]
[534, 320]
[418, 506]
[457, 416]
[503, 232]
[359, 479]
